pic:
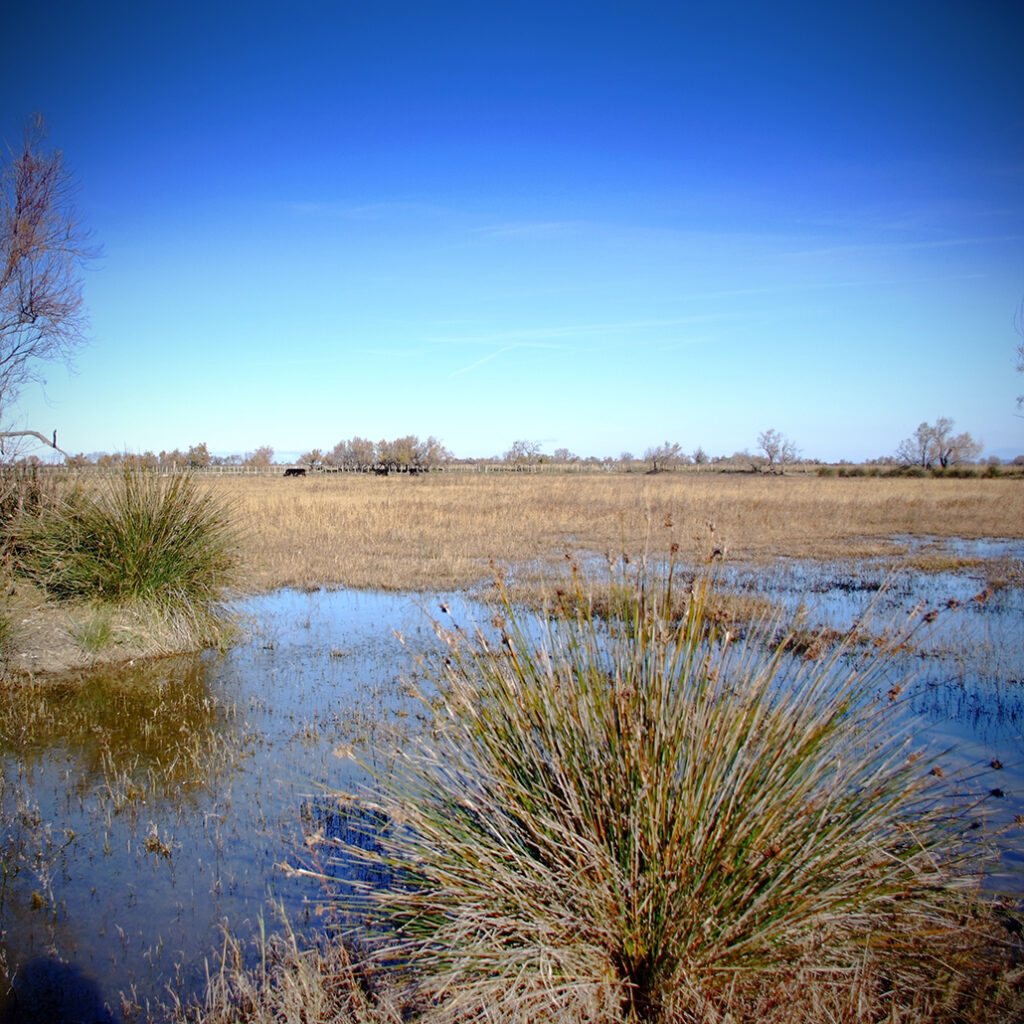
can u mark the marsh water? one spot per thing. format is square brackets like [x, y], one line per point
[146, 811]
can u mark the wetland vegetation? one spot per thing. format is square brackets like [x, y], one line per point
[189, 836]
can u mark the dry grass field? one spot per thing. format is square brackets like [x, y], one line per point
[451, 530]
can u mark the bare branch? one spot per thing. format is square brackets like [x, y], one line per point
[35, 433]
[43, 246]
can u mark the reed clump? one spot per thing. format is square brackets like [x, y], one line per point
[642, 817]
[159, 545]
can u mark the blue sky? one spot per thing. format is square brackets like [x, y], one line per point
[598, 226]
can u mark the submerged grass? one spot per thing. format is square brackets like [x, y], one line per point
[645, 818]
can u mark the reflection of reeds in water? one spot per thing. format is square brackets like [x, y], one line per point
[102, 775]
[152, 722]
[644, 818]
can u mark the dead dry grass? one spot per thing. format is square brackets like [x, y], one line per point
[450, 530]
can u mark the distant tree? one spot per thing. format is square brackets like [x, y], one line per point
[779, 450]
[199, 456]
[664, 456]
[313, 459]
[523, 453]
[564, 455]
[173, 460]
[432, 453]
[401, 454]
[358, 453]
[409, 452]
[263, 456]
[339, 456]
[936, 446]
[916, 449]
[626, 460]
[699, 456]
[43, 247]
[959, 449]
[364, 451]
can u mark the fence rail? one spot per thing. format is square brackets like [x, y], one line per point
[278, 469]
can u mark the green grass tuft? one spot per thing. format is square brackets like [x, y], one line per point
[94, 630]
[150, 540]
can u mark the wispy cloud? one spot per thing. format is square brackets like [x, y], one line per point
[896, 246]
[557, 338]
[383, 210]
[477, 363]
[529, 229]
[563, 332]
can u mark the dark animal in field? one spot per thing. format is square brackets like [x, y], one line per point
[294, 472]
[380, 470]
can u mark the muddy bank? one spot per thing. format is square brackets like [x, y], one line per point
[49, 638]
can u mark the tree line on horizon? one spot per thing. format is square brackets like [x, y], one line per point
[930, 447]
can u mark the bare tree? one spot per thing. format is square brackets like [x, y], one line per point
[357, 453]
[664, 456]
[778, 449]
[432, 453]
[43, 247]
[314, 459]
[523, 453]
[262, 456]
[916, 449]
[935, 445]
[404, 453]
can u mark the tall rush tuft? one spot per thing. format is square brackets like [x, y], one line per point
[648, 817]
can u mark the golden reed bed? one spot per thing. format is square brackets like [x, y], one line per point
[449, 530]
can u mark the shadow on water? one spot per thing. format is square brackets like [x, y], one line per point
[47, 991]
[142, 811]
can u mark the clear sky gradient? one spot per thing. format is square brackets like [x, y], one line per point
[596, 225]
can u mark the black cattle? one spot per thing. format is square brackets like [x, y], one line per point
[294, 472]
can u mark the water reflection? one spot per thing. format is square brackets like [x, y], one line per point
[142, 810]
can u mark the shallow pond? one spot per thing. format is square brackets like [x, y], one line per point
[143, 811]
